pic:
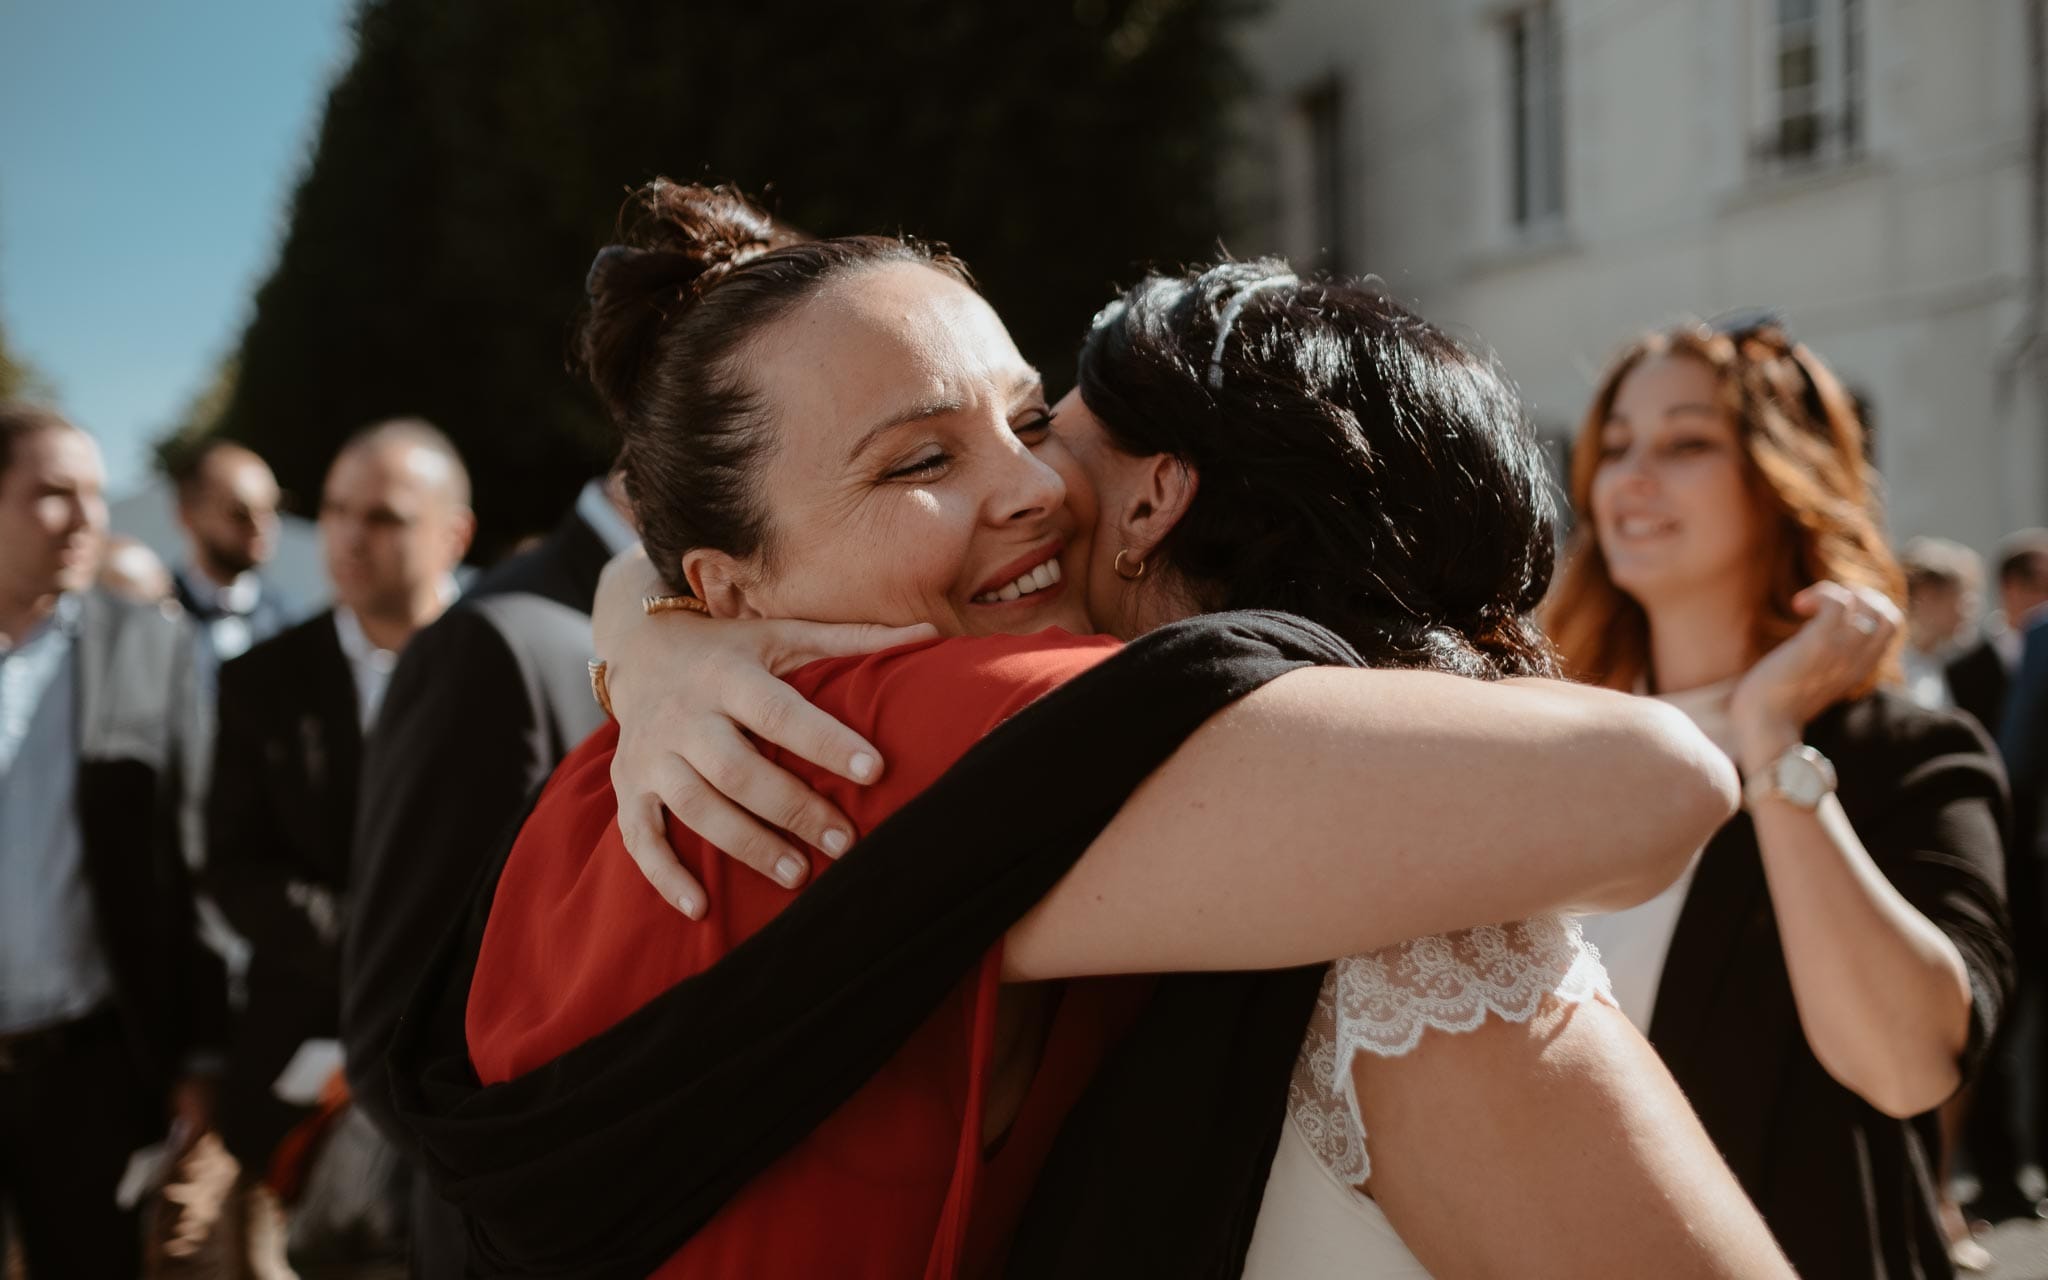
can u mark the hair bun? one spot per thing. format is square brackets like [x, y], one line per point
[674, 241]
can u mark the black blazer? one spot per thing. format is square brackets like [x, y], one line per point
[1979, 682]
[1849, 1191]
[279, 818]
[483, 705]
[140, 739]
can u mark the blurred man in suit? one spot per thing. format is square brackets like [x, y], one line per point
[1983, 681]
[1944, 590]
[1981, 676]
[395, 522]
[227, 506]
[482, 707]
[112, 1012]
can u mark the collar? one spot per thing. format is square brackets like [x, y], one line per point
[597, 511]
[357, 646]
[238, 597]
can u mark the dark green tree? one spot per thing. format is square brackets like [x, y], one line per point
[475, 154]
[18, 379]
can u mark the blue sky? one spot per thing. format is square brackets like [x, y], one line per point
[148, 152]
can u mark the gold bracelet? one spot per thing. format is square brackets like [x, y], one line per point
[598, 690]
[651, 605]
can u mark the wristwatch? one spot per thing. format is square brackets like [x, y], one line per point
[1801, 777]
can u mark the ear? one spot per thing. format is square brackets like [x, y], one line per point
[1164, 490]
[462, 531]
[719, 581]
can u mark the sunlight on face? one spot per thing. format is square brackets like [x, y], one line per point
[912, 476]
[1672, 505]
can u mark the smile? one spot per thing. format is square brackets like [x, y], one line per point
[1027, 583]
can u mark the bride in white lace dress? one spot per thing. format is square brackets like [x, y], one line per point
[1470, 1104]
[1318, 1219]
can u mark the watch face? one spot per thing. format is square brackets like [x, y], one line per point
[1801, 781]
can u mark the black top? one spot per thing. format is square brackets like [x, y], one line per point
[279, 819]
[1849, 1191]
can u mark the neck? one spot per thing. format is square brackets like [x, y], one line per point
[391, 630]
[21, 615]
[1699, 639]
[211, 570]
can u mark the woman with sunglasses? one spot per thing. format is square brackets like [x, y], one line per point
[1832, 966]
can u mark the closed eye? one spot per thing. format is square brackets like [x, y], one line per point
[929, 465]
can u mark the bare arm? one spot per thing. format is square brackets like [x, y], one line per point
[1882, 993]
[1569, 1141]
[1338, 811]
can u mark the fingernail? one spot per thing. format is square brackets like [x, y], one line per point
[789, 869]
[863, 766]
[835, 842]
[689, 905]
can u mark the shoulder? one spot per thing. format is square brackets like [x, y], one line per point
[976, 681]
[1979, 658]
[158, 630]
[924, 705]
[1887, 728]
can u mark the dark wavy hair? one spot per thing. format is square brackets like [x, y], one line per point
[696, 273]
[1357, 465]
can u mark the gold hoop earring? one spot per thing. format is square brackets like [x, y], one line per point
[1128, 575]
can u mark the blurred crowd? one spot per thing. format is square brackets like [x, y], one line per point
[234, 831]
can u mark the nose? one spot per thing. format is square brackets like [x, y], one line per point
[1025, 488]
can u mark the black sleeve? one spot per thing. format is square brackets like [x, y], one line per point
[203, 974]
[1940, 839]
[448, 764]
[248, 870]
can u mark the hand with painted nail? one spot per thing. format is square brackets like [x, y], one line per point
[687, 691]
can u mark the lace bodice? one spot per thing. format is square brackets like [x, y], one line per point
[1382, 1002]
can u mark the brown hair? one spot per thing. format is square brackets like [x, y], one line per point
[19, 420]
[697, 272]
[1803, 445]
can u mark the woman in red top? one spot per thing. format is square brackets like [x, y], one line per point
[841, 430]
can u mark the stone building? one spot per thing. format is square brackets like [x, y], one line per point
[1559, 175]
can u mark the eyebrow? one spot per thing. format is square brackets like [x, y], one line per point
[1024, 379]
[1687, 407]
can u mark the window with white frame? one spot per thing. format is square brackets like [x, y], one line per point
[1535, 115]
[1813, 85]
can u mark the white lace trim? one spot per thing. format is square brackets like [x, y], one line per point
[1381, 1003]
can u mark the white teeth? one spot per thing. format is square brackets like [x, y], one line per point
[1038, 579]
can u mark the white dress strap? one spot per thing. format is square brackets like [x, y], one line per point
[1382, 1002]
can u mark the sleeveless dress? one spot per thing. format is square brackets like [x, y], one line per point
[1314, 1223]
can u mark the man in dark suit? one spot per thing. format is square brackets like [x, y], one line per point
[482, 707]
[1980, 678]
[112, 1012]
[394, 524]
[227, 506]
[1981, 681]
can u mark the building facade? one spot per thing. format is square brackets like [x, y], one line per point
[1556, 176]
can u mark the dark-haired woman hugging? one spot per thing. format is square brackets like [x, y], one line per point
[842, 431]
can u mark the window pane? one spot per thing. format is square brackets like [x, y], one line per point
[1790, 11]
[1798, 66]
[1799, 136]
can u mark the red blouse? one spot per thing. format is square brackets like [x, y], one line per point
[893, 1184]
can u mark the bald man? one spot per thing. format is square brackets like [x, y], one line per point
[227, 506]
[395, 522]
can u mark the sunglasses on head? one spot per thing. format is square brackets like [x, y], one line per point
[1746, 323]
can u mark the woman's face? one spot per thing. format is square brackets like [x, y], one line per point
[911, 475]
[1672, 505]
